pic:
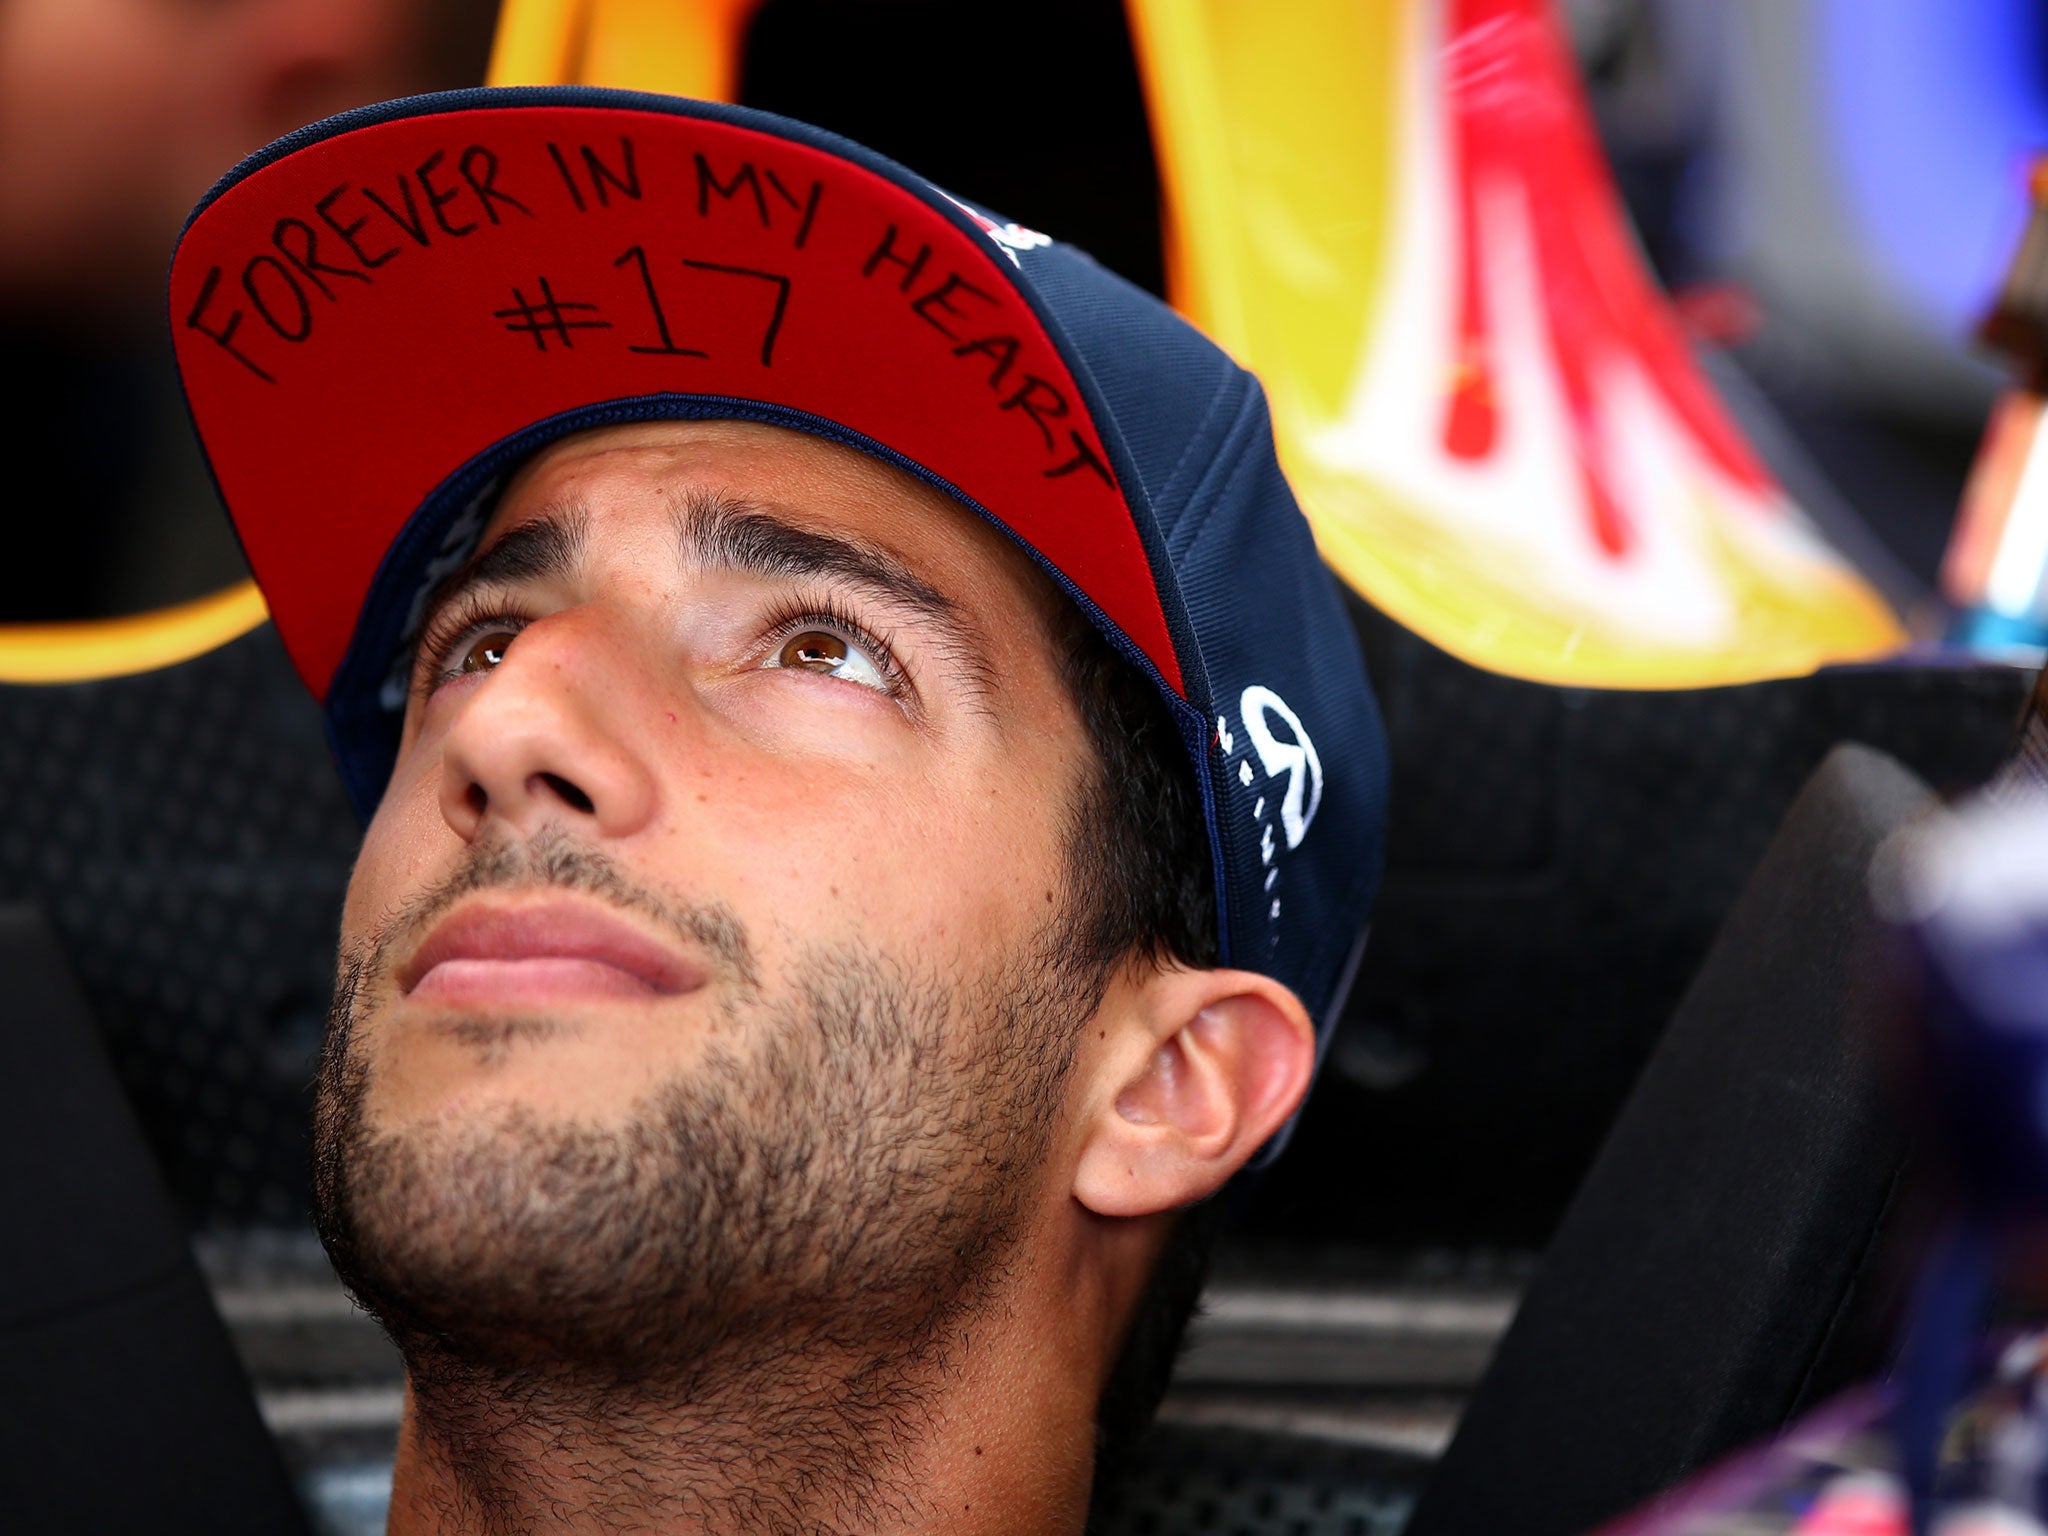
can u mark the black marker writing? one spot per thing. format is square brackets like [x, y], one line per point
[485, 186]
[547, 317]
[781, 285]
[347, 233]
[601, 174]
[604, 179]
[886, 251]
[941, 306]
[750, 180]
[224, 338]
[1084, 458]
[809, 205]
[1033, 396]
[941, 298]
[1002, 349]
[414, 223]
[303, 252]
[568, 176]
[708, 183]
[438, 199]
[638, 257]
[304, 325]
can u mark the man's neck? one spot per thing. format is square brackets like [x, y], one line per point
[992, 1435]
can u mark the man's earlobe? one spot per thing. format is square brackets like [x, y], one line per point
[1232, 1058]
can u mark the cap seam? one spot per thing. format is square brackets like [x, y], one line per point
[1170, 486]
[1231, 459]
[1137, 495]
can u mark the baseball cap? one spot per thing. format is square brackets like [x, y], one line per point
[380, 316]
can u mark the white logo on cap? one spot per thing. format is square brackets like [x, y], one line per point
[1015, 237]
[1297, 759]
[1293, 757]
[1009, 238]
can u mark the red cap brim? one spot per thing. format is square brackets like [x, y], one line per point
[360, 317]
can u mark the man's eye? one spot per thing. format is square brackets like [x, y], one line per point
[485, 651]
[833, 655]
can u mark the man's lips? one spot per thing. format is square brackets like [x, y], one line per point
[561, 949]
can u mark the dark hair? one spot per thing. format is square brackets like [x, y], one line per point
[1143, 888]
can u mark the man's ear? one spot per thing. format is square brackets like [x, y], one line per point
[1215, 1063]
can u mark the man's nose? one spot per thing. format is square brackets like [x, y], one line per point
[539, 739]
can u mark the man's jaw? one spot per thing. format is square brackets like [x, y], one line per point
[741, 1309]
[495, 951]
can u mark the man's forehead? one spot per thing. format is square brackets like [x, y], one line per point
[789, 476]
[801, 476]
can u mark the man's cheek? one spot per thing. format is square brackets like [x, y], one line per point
[403, 845]
[924, 874]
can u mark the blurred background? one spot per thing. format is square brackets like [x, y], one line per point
[1831, 189]
[115, 117]
[1831, 192]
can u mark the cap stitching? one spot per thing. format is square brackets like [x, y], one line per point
[1222, 467]
[1169, 493]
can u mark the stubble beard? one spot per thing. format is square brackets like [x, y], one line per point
[756, 1286]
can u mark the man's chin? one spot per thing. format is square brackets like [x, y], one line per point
[508, 1235]
[822, 1171]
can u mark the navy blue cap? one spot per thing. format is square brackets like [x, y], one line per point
[379, 316]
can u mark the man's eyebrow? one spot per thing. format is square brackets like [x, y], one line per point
[548, 547]
[719, 531]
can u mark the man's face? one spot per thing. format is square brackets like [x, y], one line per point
[718, 886]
